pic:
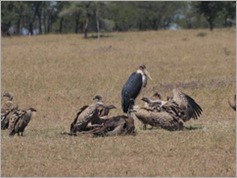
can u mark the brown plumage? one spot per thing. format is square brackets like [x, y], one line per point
[117, 125]
[104, 112]
[157, 119]
[73, 127]
[7, 107]
[19, 121]
[156, 95]
[97, 98]
[190, 109]
[87, 114]
[232, 102]
[168, 114]
[151, 104]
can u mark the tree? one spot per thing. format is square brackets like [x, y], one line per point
[86, 14]
[216, 9]
[97, 16]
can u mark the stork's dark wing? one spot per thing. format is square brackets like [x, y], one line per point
[131, 89]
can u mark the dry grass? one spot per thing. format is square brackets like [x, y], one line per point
[57, 74]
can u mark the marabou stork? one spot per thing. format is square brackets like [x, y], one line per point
[133, 86]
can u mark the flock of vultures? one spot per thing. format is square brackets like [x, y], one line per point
[94, 119]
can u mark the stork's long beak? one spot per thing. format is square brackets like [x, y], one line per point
[147, 73]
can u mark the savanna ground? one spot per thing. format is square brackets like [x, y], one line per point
[58, 74]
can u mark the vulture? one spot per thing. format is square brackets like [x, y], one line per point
[190, 109]
[87, 114]
[103, 111]
[19, 121]
[117, 125]
[168, 114]
[6, 110]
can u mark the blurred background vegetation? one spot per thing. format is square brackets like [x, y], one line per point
[44, 17]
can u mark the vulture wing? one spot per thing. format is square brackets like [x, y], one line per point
[190, 108]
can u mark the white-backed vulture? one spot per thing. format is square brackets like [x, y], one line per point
[157, 119]
[103, 111]
[117, 125]
[19, 121]
[170, 113]
[154, 105]
[73, 124]
[87, 114]
[6, 109]
[190, 109]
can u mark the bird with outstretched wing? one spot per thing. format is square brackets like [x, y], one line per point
[190, 109]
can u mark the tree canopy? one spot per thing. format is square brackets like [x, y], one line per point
[42, 17]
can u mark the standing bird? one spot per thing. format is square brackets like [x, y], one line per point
[8, 105]
[7, 108]
[135, 83]
[20, 122]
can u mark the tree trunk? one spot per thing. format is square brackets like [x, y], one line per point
[77, 24]
[18, 26]
[61, 25]
[31, 28]
[40, 24]
[210, 21]
[86, 27]
[49, 23]
[97, 23]
[44, 20]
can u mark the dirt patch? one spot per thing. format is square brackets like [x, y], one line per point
[212, 83]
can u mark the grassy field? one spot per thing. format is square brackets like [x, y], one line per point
[58, 74]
